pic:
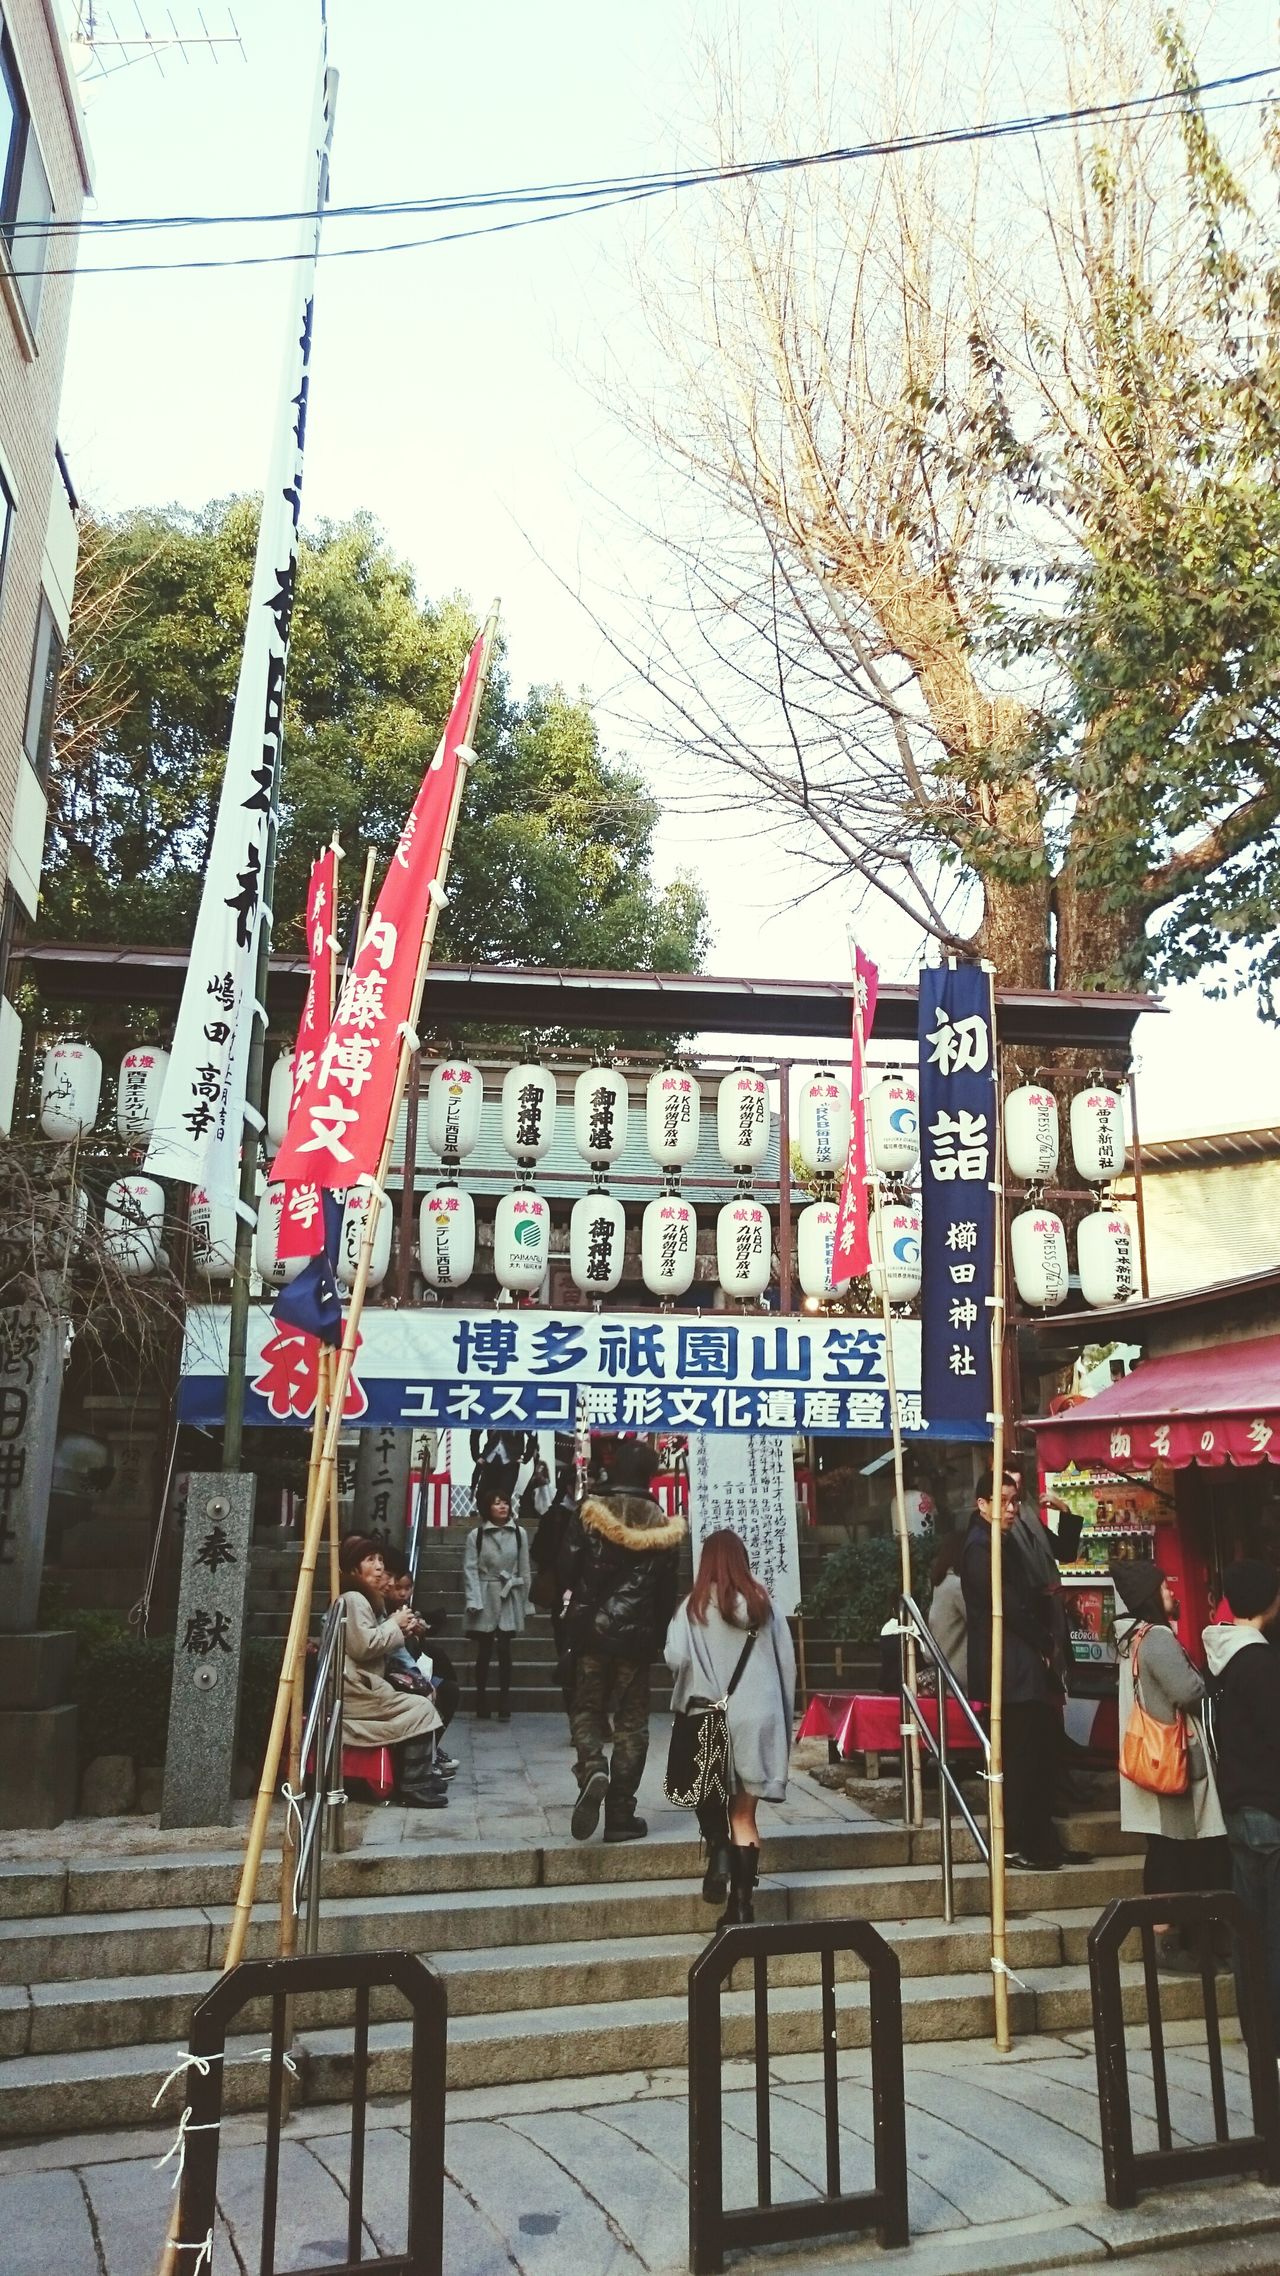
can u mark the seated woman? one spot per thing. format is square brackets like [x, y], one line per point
[374, 1713]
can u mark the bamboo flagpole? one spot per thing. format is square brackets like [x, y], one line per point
[995, 1790]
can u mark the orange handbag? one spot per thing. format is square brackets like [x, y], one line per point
[1154, 1754]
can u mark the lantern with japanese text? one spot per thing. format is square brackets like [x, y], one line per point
[70, 1088]
[142, 1074]
[132, 1222]
[893, 1126]
[673, 1117]
[668, 1245]
[1031, 1133]
[822, 1123]
[528, 1113]
[597, 1242]
[816, 1248]
[213, 1235]
[355, 1217]
[279, 1097]
[742, 1118]
[521, 1241]
[600, 1110]
[447, 1237]
[901, 1231]
[455, 1095]
[744, 1247]
[1041, 1270]
[276, 1271]
[1105, 1256]
[1097, 1133]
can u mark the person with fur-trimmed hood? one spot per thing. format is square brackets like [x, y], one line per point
[619, 1577]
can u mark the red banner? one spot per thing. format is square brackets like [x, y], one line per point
[340, 1118]
[1205, 1440]
[301, 1217]
[851, 1257]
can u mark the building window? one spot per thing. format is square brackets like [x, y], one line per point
[42, 694]
[26, 201]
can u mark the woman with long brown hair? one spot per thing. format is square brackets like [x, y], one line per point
[729, 1623]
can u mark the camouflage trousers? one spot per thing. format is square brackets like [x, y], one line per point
[611, 1702]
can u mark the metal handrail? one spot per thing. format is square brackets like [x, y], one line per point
[320, 1811]
[912, 1624]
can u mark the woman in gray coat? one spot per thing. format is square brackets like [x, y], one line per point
[495, 1576]
[1186, 1846]
[705, 1642]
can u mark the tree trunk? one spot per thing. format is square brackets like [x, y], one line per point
[1094, 943]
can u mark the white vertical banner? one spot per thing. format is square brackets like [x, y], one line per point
[202, 1107]
[748, 1483]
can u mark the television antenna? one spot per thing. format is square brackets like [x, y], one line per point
[109, 42]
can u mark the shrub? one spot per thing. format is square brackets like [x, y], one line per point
[122, 1683]
[859, 1581]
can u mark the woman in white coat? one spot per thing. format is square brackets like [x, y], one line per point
[495, 1575]
[1186, 1833]
[705, 1641]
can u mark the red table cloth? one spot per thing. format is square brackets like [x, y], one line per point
[869, 1722]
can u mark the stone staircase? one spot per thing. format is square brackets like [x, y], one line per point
[561, 1961]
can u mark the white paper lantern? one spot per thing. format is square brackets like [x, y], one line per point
[1105, 1253]
[816, 1248]
[273, 1269]
[521, 1240]
[822, 1123]
[528, 1112]
[447, 1237]
[279, 1097]
[893, 1126]
[1041, 1270]
[673, 1117]
[744, 1247]
[213, 1235]
[1097, 1133]
[355, 1217]
[142, 1074]
[133, 1220]
[668, 1245]
[601, 1108]
[597, 1242]
[742, 1119]
[70, 1088]
[455, 1095]
[1031, 1133]
[902, 1247]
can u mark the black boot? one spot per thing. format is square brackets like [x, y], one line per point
[620, 1820]
[420, 1786]
[715, 1832]
[744, 1864]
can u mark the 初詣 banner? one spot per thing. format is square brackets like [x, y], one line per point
[958, 1209]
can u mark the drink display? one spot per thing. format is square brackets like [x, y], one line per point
[1119, 1517]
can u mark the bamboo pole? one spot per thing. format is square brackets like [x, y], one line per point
[335, 1570]
[995, 1790]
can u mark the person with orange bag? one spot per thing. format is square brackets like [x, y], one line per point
[1185, 1832]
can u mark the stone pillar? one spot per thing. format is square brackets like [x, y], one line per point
[382, 1484]
[37, 1730]
[208, 1648]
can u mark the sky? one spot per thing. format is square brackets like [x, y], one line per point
[457, 390]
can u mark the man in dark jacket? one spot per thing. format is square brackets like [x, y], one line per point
[1246, 1729]
[1032, 1690]
[619, 1570]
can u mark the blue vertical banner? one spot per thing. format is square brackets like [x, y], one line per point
[958, 1165]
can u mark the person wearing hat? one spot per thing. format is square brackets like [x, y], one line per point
[1246, 1673]
[1184, 1832]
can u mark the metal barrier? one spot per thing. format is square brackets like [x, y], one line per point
[281, 1981]
[913, 1626]
[320, 1812]
[712, 2228]
[1126, 2169]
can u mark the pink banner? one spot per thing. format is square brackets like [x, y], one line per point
[301, 1217]
[852, 1254]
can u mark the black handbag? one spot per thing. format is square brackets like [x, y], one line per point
[700, 1757]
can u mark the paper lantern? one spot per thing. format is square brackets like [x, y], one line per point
[279, 1097]
[1097, 1133]
[455, 1095]
[744, 1247]
[822, 1123]
[902, 1247]
[528, 1112]
[355, 1217]
[1031, 1133]
[597, 1242]
[668, 1245]
[1106, 1257]
[70, 1088]
[521, 1240]
[1041, 1270]
[816, 1248]
[600, 1110]
[893, 1126]
[133, 1220]
[212, 1226]
[142, 1074]
[447, 1237]
[673, 1117]
[742, 1119]
[273, 1269]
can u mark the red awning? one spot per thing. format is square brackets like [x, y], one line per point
[1218, 1404]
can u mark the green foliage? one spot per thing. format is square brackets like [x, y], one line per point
[121, 1686]
[856, 1589]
